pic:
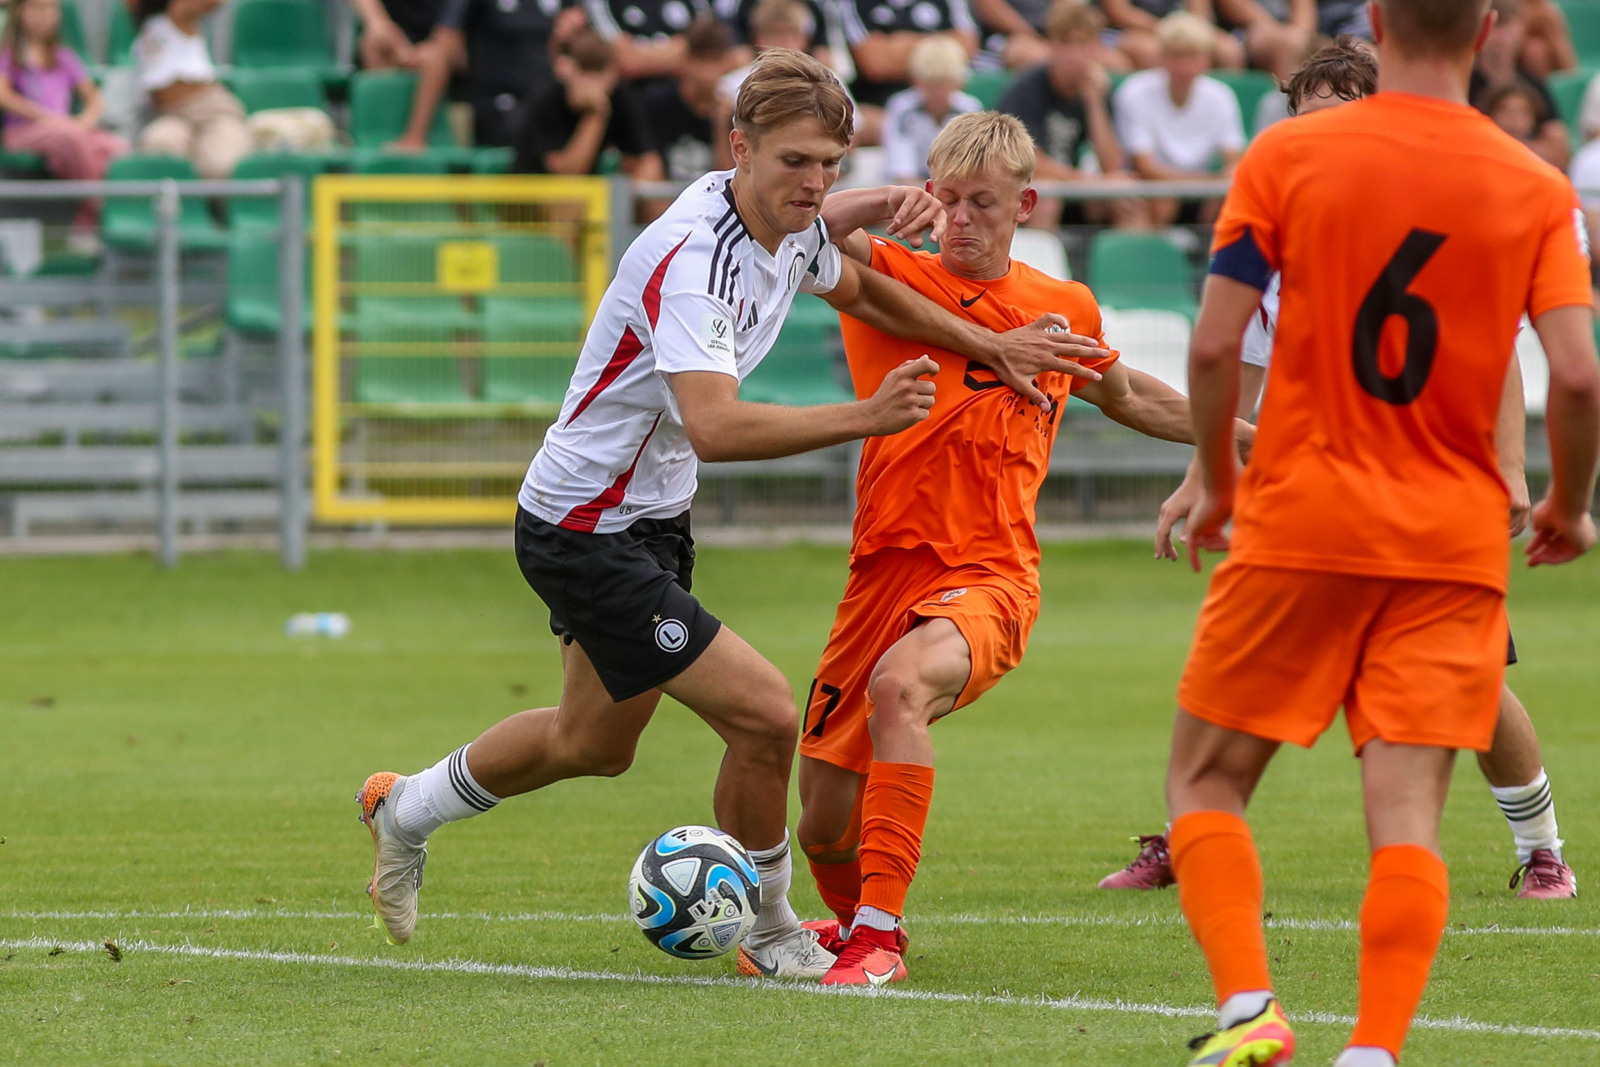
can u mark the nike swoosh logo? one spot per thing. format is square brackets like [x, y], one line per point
[770, 972]
[879, 979]
[967, 302]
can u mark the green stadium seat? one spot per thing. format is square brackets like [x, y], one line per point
[380, 104]
[425, 322]
[1583, 22]
[555, 323]
[71, 32]
[1568, 87]
[1249, 86]
[21, 164]
[251, 306]
[800, 369]
[272, 87]
[493, 160]
[1140, 270]
[282, 33]
[535, 257]
[988, 85]
[119, 46]
[130, 224]
[398, 163]
[261, 213]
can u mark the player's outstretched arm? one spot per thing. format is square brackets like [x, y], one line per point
[721, 427]
[1184, 499]
[1145, 403]
[1015, 356]
[1563, 527]
[1225, 310]
[905, 211]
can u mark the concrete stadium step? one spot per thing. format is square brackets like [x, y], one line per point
[195, 510]
[112, 465]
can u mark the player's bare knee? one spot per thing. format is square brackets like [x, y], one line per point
[899, 700]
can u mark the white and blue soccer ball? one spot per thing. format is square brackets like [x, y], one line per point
[694, 892]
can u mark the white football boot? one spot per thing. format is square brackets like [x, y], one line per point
[397, 866]
[797, 956]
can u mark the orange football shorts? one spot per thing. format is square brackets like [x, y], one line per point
[889, 593]
[1276, 652]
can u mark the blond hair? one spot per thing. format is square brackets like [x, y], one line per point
[784, 86]
[779, 16]
[939, 60]
[1071, 19]
[1185, 34]
[975, 143]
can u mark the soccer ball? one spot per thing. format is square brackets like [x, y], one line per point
[694, 892]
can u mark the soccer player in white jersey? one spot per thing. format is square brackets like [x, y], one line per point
[602, 531]
[1514, 766]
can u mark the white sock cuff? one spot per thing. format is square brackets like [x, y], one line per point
[876, 918]
[1364, 1056]
[1242, 1006]
[1514, 794]
[765, 857]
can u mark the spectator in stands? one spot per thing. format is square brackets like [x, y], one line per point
[681, 113]
[773, 24]
[1134, 24]
[1013, 31]
[1520, 111]
[38, 77]
[1547, 42]
[1497, 67]
[913, 117]
[197, 118]
[1176, 123]
[648, 35]
[1064, 103]
[391, 30]
[1277, 33]
[882, 35]
[506, 45]
[586, 110]
[807, 30]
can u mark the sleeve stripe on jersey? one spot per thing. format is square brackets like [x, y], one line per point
[628, 345]
[730, 231]
[1243, 262]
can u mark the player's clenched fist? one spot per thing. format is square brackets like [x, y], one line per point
[904, 398]
[1558, 538]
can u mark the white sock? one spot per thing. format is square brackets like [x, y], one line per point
[776, 920]
[1364, 1056]
[443, 793]
[1241, 1006]
[877, 918]
[1530, 810]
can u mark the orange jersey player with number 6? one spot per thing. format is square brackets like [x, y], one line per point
[1368, 561]
[944, 579]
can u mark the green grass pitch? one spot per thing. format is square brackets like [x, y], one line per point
[176, 778]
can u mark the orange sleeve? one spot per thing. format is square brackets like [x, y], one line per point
[1245, 242]
[1561, 273]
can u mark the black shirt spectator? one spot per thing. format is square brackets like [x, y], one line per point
[683, 112]
[508, 53]
[561, 129]
[736, 13]
[1058, 124]
[868, 24]
[647, 34]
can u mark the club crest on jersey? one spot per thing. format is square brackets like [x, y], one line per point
[716, 333]
[671, 635]
[952, 594]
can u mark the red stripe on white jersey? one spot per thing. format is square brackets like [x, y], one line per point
[628, 345]
[585, 517]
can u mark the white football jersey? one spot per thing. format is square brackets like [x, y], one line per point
[693, 293]
[1257, 346]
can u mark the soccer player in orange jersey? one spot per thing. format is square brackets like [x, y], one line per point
[1368, 560]
[944, 582]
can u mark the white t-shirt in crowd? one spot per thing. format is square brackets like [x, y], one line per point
[693, 293]
[1187, 138]
[167, 55]
[908, 131]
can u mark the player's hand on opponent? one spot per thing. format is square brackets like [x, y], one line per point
[1558, 538]
[1207, 526]
[1178, 507]
[904, 398]
[1046, 344]
[916, 211]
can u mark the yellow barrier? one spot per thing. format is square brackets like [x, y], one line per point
[447, 313]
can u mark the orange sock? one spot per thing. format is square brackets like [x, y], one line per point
[1219, 886]
[893, 816]
[839, 886]
[1402, 920]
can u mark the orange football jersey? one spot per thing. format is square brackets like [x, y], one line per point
[963, 482]
[1412, 234]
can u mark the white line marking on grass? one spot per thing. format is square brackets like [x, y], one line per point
[1334, 925]
[568, 974]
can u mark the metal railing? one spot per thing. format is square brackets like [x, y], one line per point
[167, 196]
